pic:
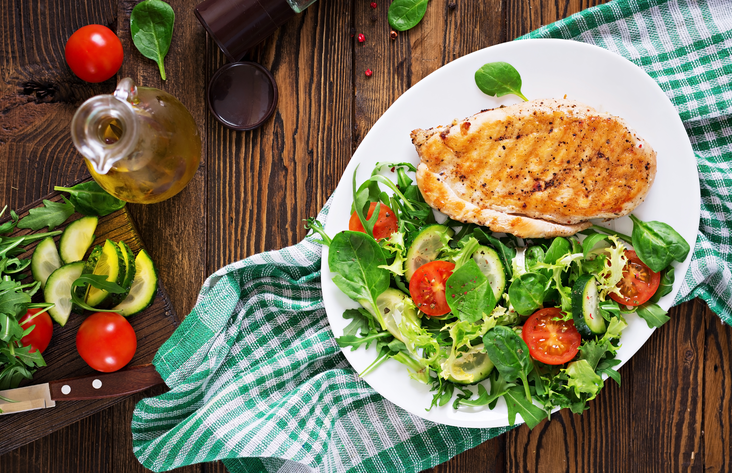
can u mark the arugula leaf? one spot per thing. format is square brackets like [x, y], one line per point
[653, 314]
[100, 282]
[151, 26]
[518, 404]
[468, 293]
[498, 79]
[658, 244]
[8, 226]
[51, 215]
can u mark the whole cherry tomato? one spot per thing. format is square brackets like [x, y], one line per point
[385, 225]
[40, 336]
[94, 53]
[106, 341]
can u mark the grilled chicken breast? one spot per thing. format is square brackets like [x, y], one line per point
[537, 169]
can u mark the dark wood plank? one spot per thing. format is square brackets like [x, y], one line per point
[716, 455]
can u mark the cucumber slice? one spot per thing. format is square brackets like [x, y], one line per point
[490, 265]
[471, 367]
[77, 238]
[426, 247]
[394, 305]
[586, 307]
[144, 287]
[129, 260]
[106, 260]
[45, 260]
[58, 290]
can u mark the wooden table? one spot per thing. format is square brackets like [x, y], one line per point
[674, 409]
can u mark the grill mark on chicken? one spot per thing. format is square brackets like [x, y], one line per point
[548, 160]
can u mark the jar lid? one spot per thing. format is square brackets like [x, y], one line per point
[242, 95]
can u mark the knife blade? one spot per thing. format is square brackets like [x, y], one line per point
[96, 386]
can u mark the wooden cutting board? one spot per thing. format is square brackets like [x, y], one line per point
[152, 326]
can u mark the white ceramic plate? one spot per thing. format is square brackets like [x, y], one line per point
[549, 69]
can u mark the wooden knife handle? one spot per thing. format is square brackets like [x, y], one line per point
[101, 385]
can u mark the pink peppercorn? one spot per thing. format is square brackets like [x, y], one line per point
[373, 4]
[369, 73]
[361, 38]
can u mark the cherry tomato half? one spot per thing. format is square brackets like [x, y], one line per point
[550, 341]
[639, 283]
[386, 224]
[106, 341]
[40, 336]
[94, 53]
[427, 287]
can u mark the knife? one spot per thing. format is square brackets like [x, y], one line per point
[97, 386]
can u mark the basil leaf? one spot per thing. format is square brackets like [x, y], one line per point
[151, 26]
[657, 244]
[468, 293]
[90, 199]
[406, 14]
[498, 79]
[51, 215]
[653, 314]
[527, 293]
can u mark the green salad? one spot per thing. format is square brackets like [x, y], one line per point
[540, 319]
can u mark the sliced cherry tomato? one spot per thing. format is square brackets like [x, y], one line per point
[40, 336]
[427, 287]
[94, 53]
[106, 341]
[639, 283]
[550, 341]
[386, 224]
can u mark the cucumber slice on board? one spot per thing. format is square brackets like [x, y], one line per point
[426, 246]
[586, 307]
[492, 268]
[58, 290]
[144, 287]
[106, 260]
[45, 260]
[129, 260]
[77, 238]
[472, 367]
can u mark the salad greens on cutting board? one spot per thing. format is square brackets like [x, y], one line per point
[539, 319]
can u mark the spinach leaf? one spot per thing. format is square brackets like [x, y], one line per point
[591, 241]
[559, 247]
[51, 215]
[468, 293]
[498, 79]
[653, 314]
[406, 14]
[657, 244]
[151, 26]
[510, 355]
[518, 404]
[90, 199]
[356, 258]
[527, 293]
[666, 285]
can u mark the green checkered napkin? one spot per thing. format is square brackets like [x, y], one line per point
[256, 377]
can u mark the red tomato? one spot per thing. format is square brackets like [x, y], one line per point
[427, 287]
[106, 341]
[40, 336]
[94, 53]
[550, 341]
[386, 224]
[639, 283]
